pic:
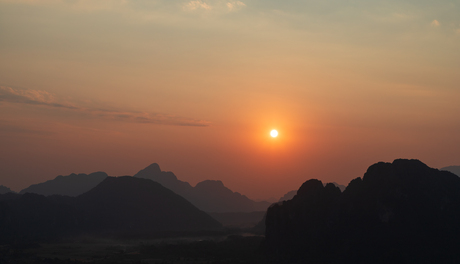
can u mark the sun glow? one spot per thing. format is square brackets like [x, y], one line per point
[274, 133]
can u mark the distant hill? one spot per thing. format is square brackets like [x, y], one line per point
[341, 187]
[288, 196]
[291, 194]
[71, 185]
[454, 169]
[400, 212]
[4, 189]
[209, 195]
[123, 206]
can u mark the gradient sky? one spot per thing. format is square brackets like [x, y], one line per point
[196, 86]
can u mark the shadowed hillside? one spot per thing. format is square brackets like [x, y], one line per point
[140, 206]
[71, 185]
[209, 196]
[400, 212]
[123, 206]
[4, 189]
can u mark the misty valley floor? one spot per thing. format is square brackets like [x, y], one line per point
[228, 249]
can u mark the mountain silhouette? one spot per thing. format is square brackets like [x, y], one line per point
[71, 185]
[400, 212]
[4, 189]
[123, 206]
[135, 205]
[454, 169]
[291, 194]
[288, 196]
[209, 195]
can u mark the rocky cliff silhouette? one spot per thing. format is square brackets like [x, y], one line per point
[123, 206]
[71, 185]
[209, 195]
[400, 212]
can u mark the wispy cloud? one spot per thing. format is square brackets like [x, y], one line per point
[435, 23]
[235, 5]
[216, 5]
[198, 4]
[46, 99]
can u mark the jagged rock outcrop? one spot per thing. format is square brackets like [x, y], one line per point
[71, 185]
[400, 212]
[209, 195]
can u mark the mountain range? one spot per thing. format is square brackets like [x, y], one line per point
[71, 185]
[208, 195]
[117, 207]
[399, 212]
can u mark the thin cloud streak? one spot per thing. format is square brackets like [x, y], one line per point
[46, 99]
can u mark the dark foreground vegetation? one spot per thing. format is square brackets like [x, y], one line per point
[232, 249]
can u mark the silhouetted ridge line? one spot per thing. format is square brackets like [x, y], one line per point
[400, 212]
[208, 195]
[134, 204]
[71, 185]
[123, 206]
[454, 169]
[4, 189]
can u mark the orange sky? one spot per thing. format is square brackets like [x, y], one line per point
[196, 86]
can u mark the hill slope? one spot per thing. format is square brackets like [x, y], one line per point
[209, 196]
[71, 185]
[4, 189]
[123, 206]
[454, 169]
[134, 205]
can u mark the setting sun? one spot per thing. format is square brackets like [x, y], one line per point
[274, 133]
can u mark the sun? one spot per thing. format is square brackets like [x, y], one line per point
[274, 133]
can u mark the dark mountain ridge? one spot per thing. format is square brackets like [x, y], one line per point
[71, 185]
[4, 189]
[400, 212]
[291, 194]
[123, 206]
[208, 195]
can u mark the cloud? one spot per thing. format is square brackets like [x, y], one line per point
[46, 99]
[218, 6]
[235, 5]
[33, 97]
[435, 23]
[197, 4]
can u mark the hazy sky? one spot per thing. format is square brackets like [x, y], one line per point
[196, 86]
